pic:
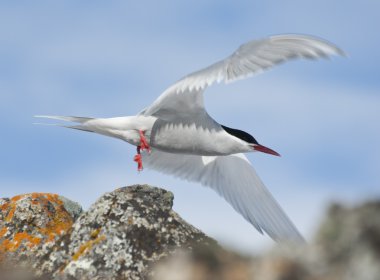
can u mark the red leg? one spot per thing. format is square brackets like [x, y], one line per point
[143, 142]
[143, 146]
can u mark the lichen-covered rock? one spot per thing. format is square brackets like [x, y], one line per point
[204, 263]
[133, 233]
[349, 241]
[31, 221]
[121, 236]
[346, 247]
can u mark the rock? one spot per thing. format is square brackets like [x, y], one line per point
[348, 241]
[346, 247]
[32, 221]
[120, 237]
[133, 233]
[204, 263]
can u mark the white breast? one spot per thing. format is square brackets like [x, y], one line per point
[207, 139]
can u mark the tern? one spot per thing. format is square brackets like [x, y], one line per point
[175, 135]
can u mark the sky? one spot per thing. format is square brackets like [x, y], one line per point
[113, 58]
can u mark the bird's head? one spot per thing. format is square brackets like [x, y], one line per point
[250, 140]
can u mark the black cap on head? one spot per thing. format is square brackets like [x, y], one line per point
[241, 135]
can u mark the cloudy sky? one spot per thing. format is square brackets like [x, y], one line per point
[113, 58]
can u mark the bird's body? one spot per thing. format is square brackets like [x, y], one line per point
[187, 143]
[205, 137]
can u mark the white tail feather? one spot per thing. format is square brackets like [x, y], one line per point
[66, 118]
[78, 127]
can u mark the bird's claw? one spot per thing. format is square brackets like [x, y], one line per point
[143, 146]
[138, 159]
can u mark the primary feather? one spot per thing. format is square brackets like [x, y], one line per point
[186, 95]
[235, 179]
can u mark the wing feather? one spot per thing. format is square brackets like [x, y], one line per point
[234, 178]
[250, 58]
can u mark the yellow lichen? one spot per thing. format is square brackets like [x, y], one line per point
[87, 246]
[10, 214]
[95, 233]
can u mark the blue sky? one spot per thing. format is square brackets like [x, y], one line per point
[113, 58]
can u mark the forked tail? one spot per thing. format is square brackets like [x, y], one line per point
[80, 120]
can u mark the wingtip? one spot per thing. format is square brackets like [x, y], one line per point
[293, 240]
[342, 53]
[334, 49]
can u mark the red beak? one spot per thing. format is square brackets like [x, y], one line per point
[264, 149]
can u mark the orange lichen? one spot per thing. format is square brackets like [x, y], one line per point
[31, 240]
[18, 197]
[3, 231]
[18, 239]
[4, 206]
[5, 246]
[59, 222]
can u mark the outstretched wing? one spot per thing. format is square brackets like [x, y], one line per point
[234, 178]
[185, 96]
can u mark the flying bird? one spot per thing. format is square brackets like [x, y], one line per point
[175, 135]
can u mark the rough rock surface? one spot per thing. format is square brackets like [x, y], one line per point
[346, 247]
[32, 221]
[204, 263]
[349, 241]
[120, 236]
[133, 233]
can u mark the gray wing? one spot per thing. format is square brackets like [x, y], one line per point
[234, 178]
[185, 96]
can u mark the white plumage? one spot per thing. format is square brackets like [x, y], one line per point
[187, 143]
